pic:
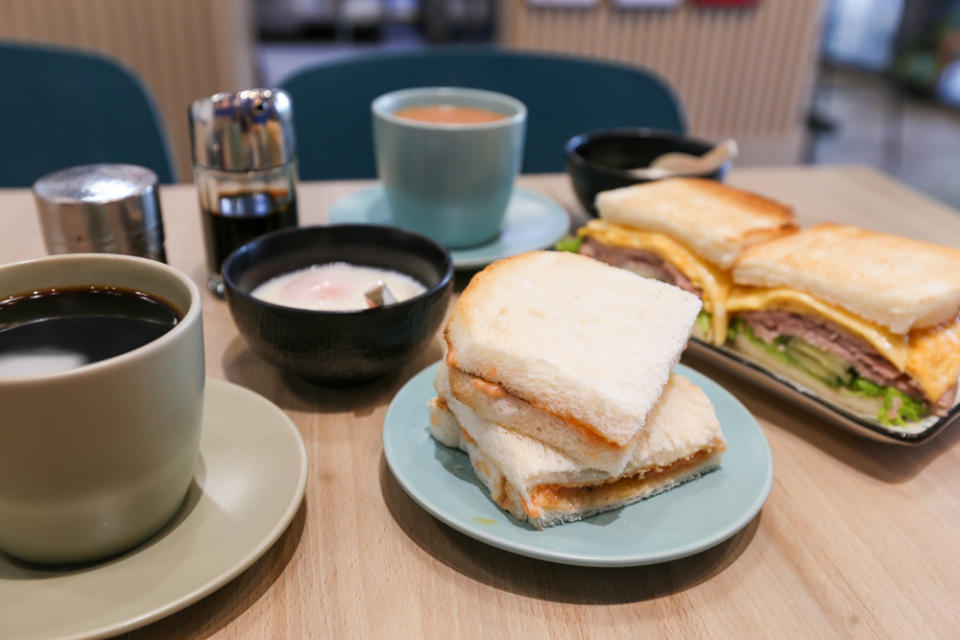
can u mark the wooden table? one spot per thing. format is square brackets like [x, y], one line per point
[856, 538]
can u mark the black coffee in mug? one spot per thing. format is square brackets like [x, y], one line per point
[57, 329]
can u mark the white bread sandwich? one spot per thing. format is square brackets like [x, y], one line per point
[685, 231]
[567, 350]
[541, 485]
[557, 383]
[866, 320]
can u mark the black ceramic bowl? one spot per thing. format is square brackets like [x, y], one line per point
[338, 347]
[597, 161]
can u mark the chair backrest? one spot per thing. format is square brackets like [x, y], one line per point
[564, 96]
[62, 108]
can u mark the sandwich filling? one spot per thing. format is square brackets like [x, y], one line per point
[640, 261]
[496, 390]
[574, 498]
[657, 255]
[885, 384]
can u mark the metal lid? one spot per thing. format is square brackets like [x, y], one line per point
[242, 131]
[111, 208]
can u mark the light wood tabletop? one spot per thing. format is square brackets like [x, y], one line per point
[857, 537]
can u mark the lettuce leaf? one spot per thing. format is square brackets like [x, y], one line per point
[908, 409]
[863, 387]
[569, 243]
[701, 328]
[733, 329]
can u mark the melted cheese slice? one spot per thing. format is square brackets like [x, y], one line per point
[713, 282]
[934, 360]
[892, 346]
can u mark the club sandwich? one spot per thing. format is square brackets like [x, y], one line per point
[866, 320]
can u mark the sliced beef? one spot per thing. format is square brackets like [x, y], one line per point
[645, 263]
[865, 360]
[945, 403]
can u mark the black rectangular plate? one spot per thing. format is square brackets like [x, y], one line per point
[912, 435]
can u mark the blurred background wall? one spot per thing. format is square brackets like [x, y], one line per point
[742, 72]
[868, 81]
[181, 49]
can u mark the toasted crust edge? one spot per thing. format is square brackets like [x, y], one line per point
[584, 428]
[778, 219]
[760, 205]
[513, 501]
[753, 266]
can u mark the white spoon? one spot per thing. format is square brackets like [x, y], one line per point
[379, 296]
[680, 164]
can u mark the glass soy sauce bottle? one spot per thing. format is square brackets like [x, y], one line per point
[245, 170]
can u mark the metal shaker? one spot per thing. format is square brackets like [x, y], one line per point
[103, 208]
[245, 169]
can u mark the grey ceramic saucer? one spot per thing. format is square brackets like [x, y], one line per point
[247, 487]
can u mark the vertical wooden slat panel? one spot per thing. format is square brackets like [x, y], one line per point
[806, 58]
[739, 72]
[741, 85]
[782, 67]
[739, 81]
[752, 90]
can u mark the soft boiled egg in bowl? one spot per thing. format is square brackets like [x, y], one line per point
[298, 298]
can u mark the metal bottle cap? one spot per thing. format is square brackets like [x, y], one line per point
[104, 208]
[243, 131]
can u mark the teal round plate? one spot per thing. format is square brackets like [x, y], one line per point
[533, 221]
[674, 524]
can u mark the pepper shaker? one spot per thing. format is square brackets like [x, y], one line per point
[245, 169]
[101, 208]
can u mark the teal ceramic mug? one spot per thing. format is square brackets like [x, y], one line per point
[96, 458]
[449, 181]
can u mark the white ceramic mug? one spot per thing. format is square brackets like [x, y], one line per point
[96, 459]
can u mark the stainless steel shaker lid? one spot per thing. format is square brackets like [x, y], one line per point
[242, 131]
[112, 208]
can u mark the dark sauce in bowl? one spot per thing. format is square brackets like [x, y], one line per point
[57, 329]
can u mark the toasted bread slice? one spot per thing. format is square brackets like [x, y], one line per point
[898, 283]
[443, 425]
[491, 403]
[934, 360]
[715, 220]
[587, 342]
[541, 485]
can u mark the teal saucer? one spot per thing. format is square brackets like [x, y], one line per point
[680, 522]
[533, 221]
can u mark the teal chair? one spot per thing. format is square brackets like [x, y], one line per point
[62, 108]
[564, 96]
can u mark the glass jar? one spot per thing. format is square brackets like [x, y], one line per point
[245, 170]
